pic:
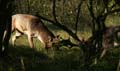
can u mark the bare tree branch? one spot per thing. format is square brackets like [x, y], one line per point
[77, 17]
[62, 27]
[54, 12]
[90, 8]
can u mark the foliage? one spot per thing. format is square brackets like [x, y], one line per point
[73, 16]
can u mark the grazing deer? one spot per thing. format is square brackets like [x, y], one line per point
[110, 36]
[32, 26]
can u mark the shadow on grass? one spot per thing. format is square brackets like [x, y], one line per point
[23, 58]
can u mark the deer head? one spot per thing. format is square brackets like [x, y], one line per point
[52, 41]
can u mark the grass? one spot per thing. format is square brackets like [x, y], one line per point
[23, 58]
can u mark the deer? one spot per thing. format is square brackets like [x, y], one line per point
[32, 26]
[110, 35]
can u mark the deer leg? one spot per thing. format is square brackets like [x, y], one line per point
[41, 40]
[30, 39]
[13, 39]
[15, 36]
[103, 52]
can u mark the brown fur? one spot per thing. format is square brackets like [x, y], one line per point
[32, 26]
[109, 36]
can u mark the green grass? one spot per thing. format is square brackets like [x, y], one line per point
[23, 58]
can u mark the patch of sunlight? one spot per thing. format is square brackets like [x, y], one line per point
[23, 41]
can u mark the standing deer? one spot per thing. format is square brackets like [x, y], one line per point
[32, 26]
[110, 36]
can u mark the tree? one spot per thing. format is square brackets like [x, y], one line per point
[5, 27]
[92, 12]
